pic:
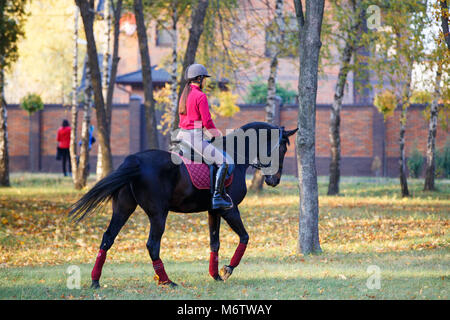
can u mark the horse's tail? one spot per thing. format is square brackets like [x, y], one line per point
[105, 189]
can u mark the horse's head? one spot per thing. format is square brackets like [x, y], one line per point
[274, 180]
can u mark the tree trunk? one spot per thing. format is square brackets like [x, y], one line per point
[109, 81]
[403, 120]
[309, 36]
[195, 31]
[107, 48]
[149, 103]
[105, 78]
[4, 156]
[87, 14]
[335, 113]
[114, 62]
[432, 128]
[174, 64]
[74, 106]
[272, 80]
[258, 178]
[444, 22]
[402, 160]
[82, 168]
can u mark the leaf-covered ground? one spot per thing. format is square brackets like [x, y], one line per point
[368, 225]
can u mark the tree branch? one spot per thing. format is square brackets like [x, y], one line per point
[444, 18]
[299, 12]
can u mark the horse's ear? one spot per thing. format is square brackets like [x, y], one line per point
[289, 133]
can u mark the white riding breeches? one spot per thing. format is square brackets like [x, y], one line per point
[195, 139]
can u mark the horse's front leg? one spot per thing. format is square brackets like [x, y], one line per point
[214, 243]
[233, 218]
[158, 223]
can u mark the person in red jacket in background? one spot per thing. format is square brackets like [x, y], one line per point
[63, 138]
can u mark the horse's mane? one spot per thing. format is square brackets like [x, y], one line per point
[258, 125]
[252, 125]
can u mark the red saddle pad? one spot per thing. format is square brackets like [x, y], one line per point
[199, 173]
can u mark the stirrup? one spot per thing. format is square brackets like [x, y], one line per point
[221, 203]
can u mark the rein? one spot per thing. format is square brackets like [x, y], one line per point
[258, 165]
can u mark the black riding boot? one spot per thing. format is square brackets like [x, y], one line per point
[220, 199]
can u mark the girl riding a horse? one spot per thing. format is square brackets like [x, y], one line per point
[194, 117]
[151, 180]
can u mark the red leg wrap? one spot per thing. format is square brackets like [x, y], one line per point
[214, 264]
[158, 265]
[238, 255]
[97, 270]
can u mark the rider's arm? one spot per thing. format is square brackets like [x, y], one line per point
[207, 122]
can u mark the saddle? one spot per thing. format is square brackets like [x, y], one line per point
[202, 175]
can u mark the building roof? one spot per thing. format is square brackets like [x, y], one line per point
[158, 75]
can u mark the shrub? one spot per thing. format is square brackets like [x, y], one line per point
[258, 93]
[415, 162]
[443, 161]
[31, 103]
[386, 103]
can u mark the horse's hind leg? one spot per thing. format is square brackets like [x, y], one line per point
[214, 228]
[233, 218]
[123, 206]
[157, 226]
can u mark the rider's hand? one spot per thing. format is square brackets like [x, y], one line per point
[215, 133]
[212, 133]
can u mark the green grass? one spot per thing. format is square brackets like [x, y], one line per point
[368, 224]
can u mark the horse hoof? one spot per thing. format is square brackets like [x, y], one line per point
[226, 272]
[218, 278]
[95, 284]
[168, 284]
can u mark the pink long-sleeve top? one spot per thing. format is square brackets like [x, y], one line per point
[197, 112]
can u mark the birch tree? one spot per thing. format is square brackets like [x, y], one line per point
[82, 166]
[432, 129]
[399, 46]
[348, 15]
[107, 19]
[74, 102]
[439, 60]
[112, 13]
[277, 42]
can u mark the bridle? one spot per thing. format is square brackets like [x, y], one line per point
[258, 165]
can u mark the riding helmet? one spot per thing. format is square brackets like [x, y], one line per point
[195, 70]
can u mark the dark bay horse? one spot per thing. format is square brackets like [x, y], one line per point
[153, 181]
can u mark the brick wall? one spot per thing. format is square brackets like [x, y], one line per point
[364, 135]
[416, 133]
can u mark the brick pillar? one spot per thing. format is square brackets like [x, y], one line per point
[135, 123]
[378, 136]
[35, 142]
